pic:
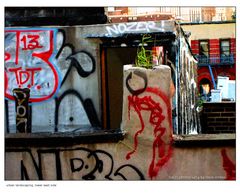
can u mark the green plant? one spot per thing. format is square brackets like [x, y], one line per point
[144, 57]
[200, 102]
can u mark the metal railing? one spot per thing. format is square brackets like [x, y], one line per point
[215, 60]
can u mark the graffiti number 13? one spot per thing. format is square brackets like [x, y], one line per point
[30, 42]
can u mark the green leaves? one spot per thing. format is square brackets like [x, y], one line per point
[144, 57]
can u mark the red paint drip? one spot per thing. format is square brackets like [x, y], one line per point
[161, 152]
[133, 99]
[228, 166]
[159, 161]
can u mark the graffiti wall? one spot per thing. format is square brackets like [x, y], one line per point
[108, 162]
[61, 70]
[61, 76]
[29, 62]
[147, 110]
[186, 120]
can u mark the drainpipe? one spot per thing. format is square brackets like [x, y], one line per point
[211, 73]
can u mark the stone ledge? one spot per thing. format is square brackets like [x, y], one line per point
[62, 138]
[205, 139]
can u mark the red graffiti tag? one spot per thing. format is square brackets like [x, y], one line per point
[228, 166]
[24, 76]
[161, 152]
[30, 42]
[37, 46]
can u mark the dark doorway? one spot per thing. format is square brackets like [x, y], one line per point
[114, 60]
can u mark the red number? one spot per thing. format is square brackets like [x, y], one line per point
[30, 42]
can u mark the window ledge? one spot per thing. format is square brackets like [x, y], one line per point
[205, 139]
[62, 138]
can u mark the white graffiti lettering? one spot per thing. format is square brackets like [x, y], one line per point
[132, 27]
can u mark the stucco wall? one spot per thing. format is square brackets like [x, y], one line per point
[108, 161]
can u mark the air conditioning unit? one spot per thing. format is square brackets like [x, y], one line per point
[232, 90]
[222, 84]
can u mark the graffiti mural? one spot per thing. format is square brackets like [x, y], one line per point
[68, 58]
[161, 150]
[30, 62]
[78, 163]
[41, 60]
[83, 111]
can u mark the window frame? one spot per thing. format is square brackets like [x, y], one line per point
[221, 46]
[208, 46]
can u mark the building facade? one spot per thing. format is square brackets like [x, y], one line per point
[182, 14]
[214, 45]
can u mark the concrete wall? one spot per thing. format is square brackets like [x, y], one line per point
[147, 150]
[108, 161]
[74, 78]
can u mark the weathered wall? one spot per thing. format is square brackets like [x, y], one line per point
[186, 91]
[108, 161]
[62, 72]
[147, 151]
[147, 112]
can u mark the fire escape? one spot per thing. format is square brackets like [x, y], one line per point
[215, 61]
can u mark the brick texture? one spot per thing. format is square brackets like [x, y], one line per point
[219, 117]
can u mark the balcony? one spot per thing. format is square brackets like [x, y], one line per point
[215, 60]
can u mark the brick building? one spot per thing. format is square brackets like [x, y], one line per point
[183, 14]
[214, 45]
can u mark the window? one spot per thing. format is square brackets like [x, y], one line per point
[225, 50]
[204, 48]
[203, 52]
[225, 47]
